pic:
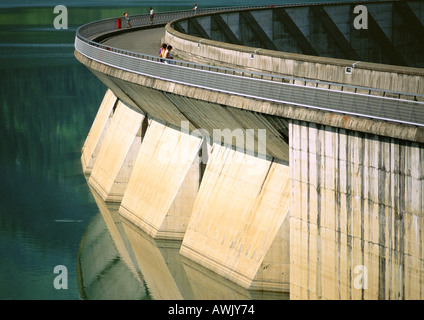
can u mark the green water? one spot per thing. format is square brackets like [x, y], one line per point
[47, 104]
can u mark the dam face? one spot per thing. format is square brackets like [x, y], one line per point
[272, 196]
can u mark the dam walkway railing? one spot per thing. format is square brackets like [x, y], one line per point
[398, 107]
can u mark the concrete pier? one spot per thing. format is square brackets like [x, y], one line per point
[117, 154]
[239, 223]
[163, 185]
[94, 140]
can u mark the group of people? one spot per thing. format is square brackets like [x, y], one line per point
[128, 19]
[152, 15]
[165, 53]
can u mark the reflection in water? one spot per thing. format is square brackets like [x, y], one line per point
[117, 260]
[44, 117]
[102, 272]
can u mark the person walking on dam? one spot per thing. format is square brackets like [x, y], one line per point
[128, 19]
[151, 15]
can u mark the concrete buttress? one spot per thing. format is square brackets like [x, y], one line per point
[118, 152]
[94, 140]
[239, 218]
[164, 183]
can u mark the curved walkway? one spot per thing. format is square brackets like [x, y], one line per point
[145, 41]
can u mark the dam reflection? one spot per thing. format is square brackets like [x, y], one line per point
[117, 260]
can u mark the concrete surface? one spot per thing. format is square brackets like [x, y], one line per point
[146, 41]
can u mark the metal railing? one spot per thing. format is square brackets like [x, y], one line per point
[352, 100]
[96, 28]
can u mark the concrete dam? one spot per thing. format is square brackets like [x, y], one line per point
[282, 146]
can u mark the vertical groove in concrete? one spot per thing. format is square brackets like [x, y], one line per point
[308, 208]
[338, 225]
[382, 222]
[318, 212]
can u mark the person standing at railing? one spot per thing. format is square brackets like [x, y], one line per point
[128, 19]
[151, 15]
[195, 9]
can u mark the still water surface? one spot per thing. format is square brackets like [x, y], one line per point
[47, 104]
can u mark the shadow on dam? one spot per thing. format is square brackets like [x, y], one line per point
[387, 32]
